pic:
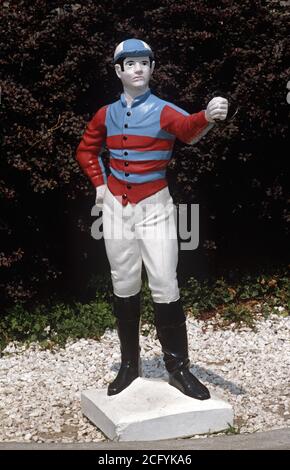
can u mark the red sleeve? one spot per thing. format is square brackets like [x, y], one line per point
[188, 128]
[90, 146]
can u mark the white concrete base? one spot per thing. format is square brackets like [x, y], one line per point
[150, 409]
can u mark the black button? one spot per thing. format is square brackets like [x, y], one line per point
[128, 113]
[125, 153]
[124, 196]
[126, 163]
[125, 137]
[126, 125]
[129, 186]
[127, 174]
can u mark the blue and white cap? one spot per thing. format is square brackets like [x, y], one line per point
[132, 48]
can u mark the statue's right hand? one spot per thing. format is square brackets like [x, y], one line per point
[100, 192]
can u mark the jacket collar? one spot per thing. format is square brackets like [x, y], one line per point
[137, 100]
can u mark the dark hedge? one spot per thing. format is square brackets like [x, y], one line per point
[56, 67]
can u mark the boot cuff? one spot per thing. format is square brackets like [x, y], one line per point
[168, 315]
[127, 308]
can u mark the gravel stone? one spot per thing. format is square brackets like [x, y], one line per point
[40, 389]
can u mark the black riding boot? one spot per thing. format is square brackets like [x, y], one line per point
[127, 312]
[170, 324]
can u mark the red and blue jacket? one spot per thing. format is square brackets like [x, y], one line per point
[140, 139]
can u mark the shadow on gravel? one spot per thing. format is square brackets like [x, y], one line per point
[154, 368]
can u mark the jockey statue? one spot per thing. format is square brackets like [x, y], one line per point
[139, 130]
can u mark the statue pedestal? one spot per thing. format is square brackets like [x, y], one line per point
[150, 409]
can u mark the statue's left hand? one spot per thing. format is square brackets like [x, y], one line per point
[217, 109]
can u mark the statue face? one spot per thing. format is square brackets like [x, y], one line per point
[137, 72]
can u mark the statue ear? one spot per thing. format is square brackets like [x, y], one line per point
[118, 70]
[152, 66]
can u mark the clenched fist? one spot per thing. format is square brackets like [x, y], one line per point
[217, 109]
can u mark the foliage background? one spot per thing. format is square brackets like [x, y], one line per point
[57, 70]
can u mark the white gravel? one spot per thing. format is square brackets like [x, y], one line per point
[40, 389]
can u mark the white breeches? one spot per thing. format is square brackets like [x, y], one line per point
[142, 232]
